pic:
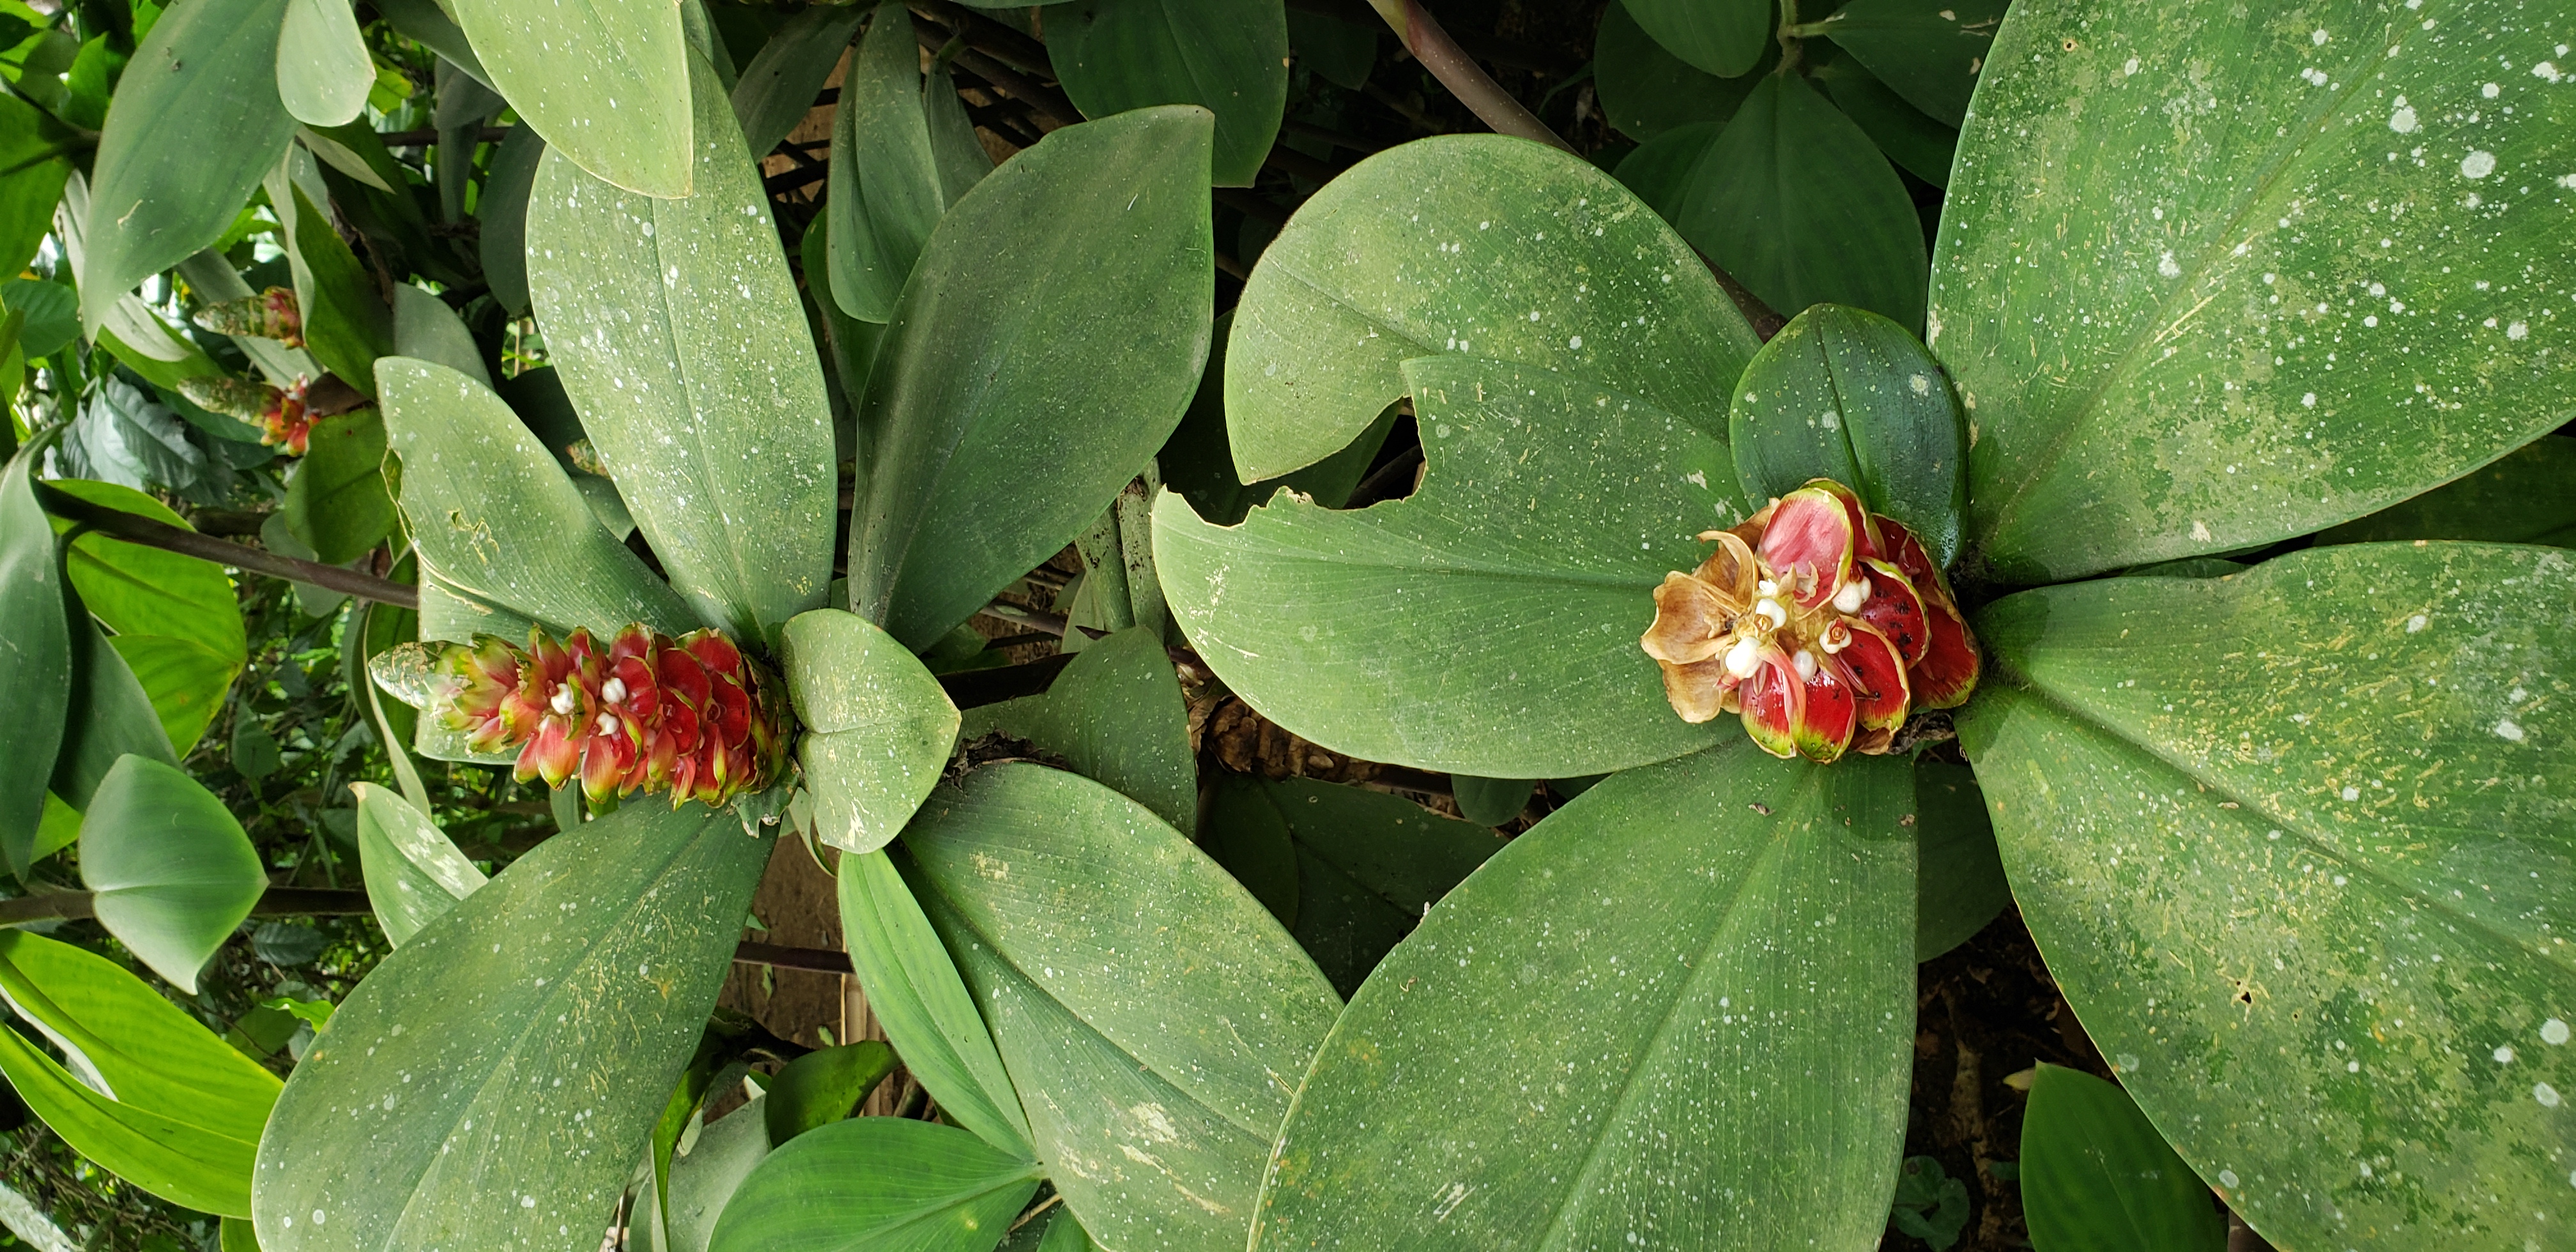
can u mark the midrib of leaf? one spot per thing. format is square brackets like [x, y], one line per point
[920, 1213]
[1560, 1228]
[2286, 154]
[535, 1022]
[2351, 860]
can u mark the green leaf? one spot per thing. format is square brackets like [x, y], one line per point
[36, 684]
[880, 222]
[1165, 1015]
[1522, 569]
[324, 70]
[346, 324]
[426, 329]
[1721, 37]
[52, 309]
[110, 716]
[1227, 56]
[478, 487]
[196, 123]
[1795, 201]
[1960, 872]
[185, 680]
[503, 211]
[426, 23]
[336, 500]
[35, 153]
[1848, 395]
[2095, 1175]
[959, 155]
[995, 374]
[704, 1178]
[2520, 499]
[1448, 245]
[1919, 144]
[137, 590]
[624, 114]
[823, 1086]
[879, 726]
[1338, 50]
[2243, 816]
[1198, 462]
[1359, 868]
[877, 1184]
[1115, 716]
[1490, 801]
[2227, 354]
[1710, 976]
[414, 873]
[429, 1115]
[187, 1109]
[1929, 51]
[212, 279]
[1646, 91]
[915, 992]
[171, 870]
[777, 89]
[1930, 1205]
[676, 329]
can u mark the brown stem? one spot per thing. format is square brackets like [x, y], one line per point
[429, 135]
[1423, 37]
[1009, 81]
[820, 960]
[151, 534]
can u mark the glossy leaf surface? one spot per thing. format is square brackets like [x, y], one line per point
[36, 149]
[879, 726]
[1646, 90]
[1155, 1031]
[2096, 1177]
[336, 501]
[704, 1179]
[110, 716]
[1929, 51]
[36, 684]
[1449, 245]
[472, 473]
[2524, 498]
[1709, 1035]
[196, 123]
[1845, 394]
[323, 67]
[1960, 873]
[677, 331]
[777, 89]
[988, 379]
[915, 992]
[414, 872]
[1115, 716]
[1227, 56]
[883, 204]
[135, 590]
[2294, 842]
[1523, 568]
[1721, 37]
[823, 1086]
[171, 870]
[430, 1113]
[624, 114]
[2290, 279]
[878, 1184]
[346, 324]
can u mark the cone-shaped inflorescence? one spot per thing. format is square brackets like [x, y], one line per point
[1821, 623]
[278, 412]
[647, 712]
[271, 314]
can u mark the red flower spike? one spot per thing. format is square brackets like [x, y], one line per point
[1824, 625]
[1807, 546]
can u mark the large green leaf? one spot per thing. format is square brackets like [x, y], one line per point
[1793, 199]
[1709, 969]
[2296, 269]
[877, 1184]
[677, 331]
[336, 500]
[1848, 395]
[35, 161]
[110, 716]
[1000, 369]
[1115, 716]
[492, 1082]
[1154, 1017]
[886, 198]
[135, 590]
[1521, 570]
[607, 85]
[1929, 51]
[187, 1108]
[823, 1086]
[196, 122]
[347, 325]
[777, 89]
[1960, 873]
[915, 992]
[1477, 245]
[2523, 498]
[503, 212]
[426, 329]
[1721, 37]
[703, 1179]
[185, 680]
[171, 871]
[1918, 143]
[1646, 90]
[493, 514]
[879, 726]
[1228, 56]
[2296, 844]
[414, 873]
[2096, 1177]
[1198, 461]
[1347, 870]
[324, 70]
[35, 686]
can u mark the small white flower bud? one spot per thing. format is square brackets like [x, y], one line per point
[1771, 609]
[1854, 593]
[613, 691]
[1806, 662]
[608, 723]
[1744, 658]
[561, 701]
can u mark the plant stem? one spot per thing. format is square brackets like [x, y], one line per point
[820, 960]
[151, 534]
[1422, 36]
[52, 906]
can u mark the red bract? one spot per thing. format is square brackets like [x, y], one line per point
[649, 713]
[1822, 624]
